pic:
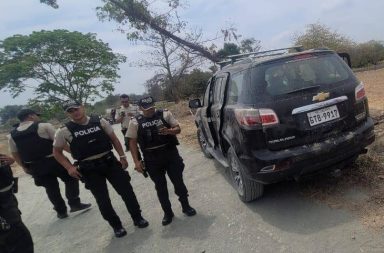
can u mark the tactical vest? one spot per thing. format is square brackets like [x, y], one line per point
[6, 177]
[88, 140]
[30, 145]
[148, 135]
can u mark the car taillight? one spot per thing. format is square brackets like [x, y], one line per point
[254, 117]
[359, 92]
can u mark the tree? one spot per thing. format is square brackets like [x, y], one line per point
[58, 65]
[171, 60]
[228, 49]
[155, 86]
[9, 112]
[371, 52]
[250, 45]
[319, 36]
[245, 46]
[139, 18]
[195, 83]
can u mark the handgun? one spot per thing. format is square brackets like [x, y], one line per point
[145, 173]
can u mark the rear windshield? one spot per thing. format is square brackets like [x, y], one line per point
[294, 74]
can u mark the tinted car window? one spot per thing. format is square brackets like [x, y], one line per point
[207, 92]
[290, 74]
[235, 87]
[218, 89]
[303, 71]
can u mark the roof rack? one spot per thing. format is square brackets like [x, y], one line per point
[234, 57]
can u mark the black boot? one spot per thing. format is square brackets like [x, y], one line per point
[187, 209]
[167, 219]
[140, 222]
[62, 215]
[79, 207]
[119, 232]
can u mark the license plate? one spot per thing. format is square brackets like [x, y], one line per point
[323, 115]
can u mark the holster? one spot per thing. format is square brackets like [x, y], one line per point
[4, 225]
[15, 187]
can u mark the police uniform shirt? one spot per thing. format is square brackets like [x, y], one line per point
[131, 109]
[63, 136]
[133, 125]
[44, 130]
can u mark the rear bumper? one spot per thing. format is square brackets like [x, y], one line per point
[267, 166]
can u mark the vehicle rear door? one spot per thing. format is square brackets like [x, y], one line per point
[217, 103]
[313, 97]
[206, 115]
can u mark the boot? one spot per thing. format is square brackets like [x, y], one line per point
[187, 209]
[140, 222]
[79, 207]
[119, 232]
[167, 219]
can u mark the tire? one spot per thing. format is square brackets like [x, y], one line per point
[203, 144]
[247, 189]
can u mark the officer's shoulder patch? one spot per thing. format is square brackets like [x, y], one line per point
[165, 110]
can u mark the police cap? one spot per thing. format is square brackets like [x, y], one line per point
[69, 104]
[24, 113]
[146, 103]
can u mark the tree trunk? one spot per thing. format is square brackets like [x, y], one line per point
[130, 12]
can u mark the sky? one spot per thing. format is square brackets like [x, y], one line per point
[273, 22]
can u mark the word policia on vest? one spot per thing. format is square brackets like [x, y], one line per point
[88, 131]
[156, 122]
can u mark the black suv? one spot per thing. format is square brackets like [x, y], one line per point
[275, 115]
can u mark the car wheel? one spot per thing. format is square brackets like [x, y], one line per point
[247, 189]
[203, 144]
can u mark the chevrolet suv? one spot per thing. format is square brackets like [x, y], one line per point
[277, 115]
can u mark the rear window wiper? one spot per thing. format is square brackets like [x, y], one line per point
[303, 89]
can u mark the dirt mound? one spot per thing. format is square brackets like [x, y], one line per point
[187, 121]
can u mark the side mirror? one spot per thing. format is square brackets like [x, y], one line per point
[194, 103]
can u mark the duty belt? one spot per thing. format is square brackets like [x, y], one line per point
[159, 149]
[38, 160]
[96, 162]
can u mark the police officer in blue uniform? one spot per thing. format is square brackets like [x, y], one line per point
[14, 235]
[155, 131]
[91, 140]
[31, 146]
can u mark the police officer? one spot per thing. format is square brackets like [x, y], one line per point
[14, 235]
[155, 131]
[91, 140]
[124, 115]
[31, 145]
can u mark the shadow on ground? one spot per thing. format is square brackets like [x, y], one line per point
[283, 206]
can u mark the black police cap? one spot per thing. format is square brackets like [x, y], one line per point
[69, 104]
[146, 103]
[24, 113]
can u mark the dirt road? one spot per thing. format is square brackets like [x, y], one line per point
[282, 221]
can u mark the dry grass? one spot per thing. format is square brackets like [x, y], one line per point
[374, 87]
[186, 120]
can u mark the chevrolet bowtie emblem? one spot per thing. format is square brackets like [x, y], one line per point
[320, 96]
